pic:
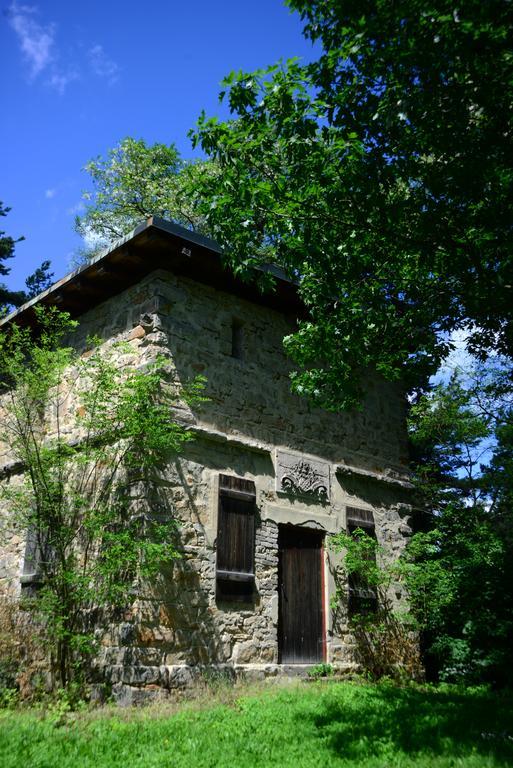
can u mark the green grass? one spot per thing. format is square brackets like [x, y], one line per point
[320, 724]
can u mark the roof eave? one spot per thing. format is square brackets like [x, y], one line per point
[89, 272]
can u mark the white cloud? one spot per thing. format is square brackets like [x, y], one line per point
[102, 65]
[61, 80]
[36, 40]
[91, 245]
[49, 193]
[38, 45]
[75, 209]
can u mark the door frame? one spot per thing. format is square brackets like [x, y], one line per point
[321, 534]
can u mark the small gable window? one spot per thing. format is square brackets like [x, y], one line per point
[362, 596]
[237, 339]
[235, 566]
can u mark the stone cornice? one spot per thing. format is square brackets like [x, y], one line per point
[386, 476]
[237, 441]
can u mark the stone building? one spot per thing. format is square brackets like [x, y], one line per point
[259, 491]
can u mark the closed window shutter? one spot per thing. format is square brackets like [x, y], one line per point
[236, 538]
[362, 596]
[360, 518]
[32, 560]
[37, 556]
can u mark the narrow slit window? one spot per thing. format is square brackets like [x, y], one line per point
[362, 596]
[237, 339]
[36, 556]
[235, 566]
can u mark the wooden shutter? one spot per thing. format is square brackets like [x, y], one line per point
[236, 538]
[362, 597]
[360, 518]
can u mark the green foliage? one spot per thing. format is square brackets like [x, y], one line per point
[35, 283]
[7, 244]
[320, 670]
[454, 429]
[362, 556]
[379, 177]
[91, 434]
[312, 726]
[9, 697]
[386, 638]
[459, 571]
[136, 181]
[38, 281]
[9, 692]
[459, 579]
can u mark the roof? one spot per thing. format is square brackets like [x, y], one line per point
[155, 244]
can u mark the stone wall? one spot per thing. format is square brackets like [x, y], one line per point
[251, 421]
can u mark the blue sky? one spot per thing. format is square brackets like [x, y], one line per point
[78, 77]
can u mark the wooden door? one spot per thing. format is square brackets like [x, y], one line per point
[300, 628]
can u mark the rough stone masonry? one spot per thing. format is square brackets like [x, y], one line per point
[308, 468]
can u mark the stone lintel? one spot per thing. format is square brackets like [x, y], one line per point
[380, 477]
[247, 443]
[302, 517]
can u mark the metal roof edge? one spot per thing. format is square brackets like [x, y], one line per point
[186, 234]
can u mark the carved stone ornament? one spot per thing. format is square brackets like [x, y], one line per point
[302, 476]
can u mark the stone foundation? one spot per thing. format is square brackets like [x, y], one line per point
[138, 685]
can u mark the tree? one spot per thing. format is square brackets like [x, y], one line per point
[97, 527]
[7, 243]
[380, 176]
[459, 572]
[35, 283]
[135, 181]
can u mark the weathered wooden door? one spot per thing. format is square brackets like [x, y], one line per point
[300, 628]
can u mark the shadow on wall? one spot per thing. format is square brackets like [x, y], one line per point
[392, 499]
[174, 622]
[177, 620]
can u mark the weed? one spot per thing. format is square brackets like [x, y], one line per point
[320, 670]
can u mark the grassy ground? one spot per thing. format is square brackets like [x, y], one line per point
[334, 724]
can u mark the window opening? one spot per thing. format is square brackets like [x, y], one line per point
[36, 554]
[237, 339]
[363, 597]
[235, 565]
